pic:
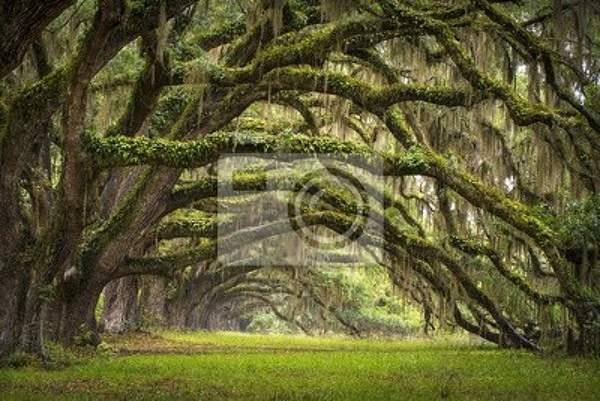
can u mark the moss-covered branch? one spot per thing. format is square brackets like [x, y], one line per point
[125, 151]
[230, 243]
[119, 151]
[478, 193]
[539, 50]
[370, 97]
[304, 48]
[219, 35]
[476, 248]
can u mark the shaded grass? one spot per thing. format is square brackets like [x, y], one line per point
[207, 366]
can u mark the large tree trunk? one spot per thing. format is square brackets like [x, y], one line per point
[121, 305]
[205, 311]
[78, 324]
[32, 340]
[153, 298]
[184, 310]
[22, 22]
[13, 296]
[177, 312]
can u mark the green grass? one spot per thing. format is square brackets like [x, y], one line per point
[202, 366]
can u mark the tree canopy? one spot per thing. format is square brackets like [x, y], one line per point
[480, 120]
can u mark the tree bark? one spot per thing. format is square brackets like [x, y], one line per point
[153, 298]
[21, 23]
[13, 296]
[78, 324]
[121, 312]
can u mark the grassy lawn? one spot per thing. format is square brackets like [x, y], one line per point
[201, 366]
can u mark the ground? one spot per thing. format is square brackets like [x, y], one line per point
[224, 366]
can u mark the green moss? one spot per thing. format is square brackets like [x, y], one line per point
[126, 151]
[97, 236]
[176, 260]
[218, 34]
[169, 108]
[38, 99]
[417, 158]
[191, 223]
[311, 48]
